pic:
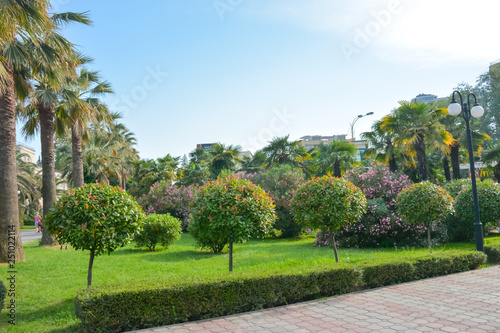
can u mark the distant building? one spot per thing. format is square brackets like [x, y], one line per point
[29, 153]
[245, 153]
[29, 157]
[426, 98]
[206, 146]
[311, 141]
[362, 146]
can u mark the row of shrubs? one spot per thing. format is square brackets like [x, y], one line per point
[380, 226]
[136, 306]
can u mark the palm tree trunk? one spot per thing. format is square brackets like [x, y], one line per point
[337, 172]
[9, 207]
[455, 159]
[421, 158]
[446, 168]
[76, 150]
[46, 113]
[393, 166]
[496, 172]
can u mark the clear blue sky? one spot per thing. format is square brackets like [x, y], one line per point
[243, 71]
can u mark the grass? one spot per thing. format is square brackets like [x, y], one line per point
[27, 227]
[47, 282]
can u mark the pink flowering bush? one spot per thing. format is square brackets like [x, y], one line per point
[164, 198]
[381, 225]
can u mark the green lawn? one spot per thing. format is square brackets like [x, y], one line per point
[47, 282]
[27, 227]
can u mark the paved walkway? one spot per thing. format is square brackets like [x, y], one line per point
[30, 235]
[464, 302]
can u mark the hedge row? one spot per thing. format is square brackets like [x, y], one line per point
[3, 294]
[105, 309]
[493, 254]
[129, 310]
[397, 272]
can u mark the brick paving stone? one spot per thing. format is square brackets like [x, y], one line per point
[464, 302]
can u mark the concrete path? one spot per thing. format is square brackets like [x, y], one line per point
[30, 235]
[464, 302]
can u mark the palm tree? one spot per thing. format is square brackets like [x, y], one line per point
[414, 127]
[126, 154]
[492, 155]
[48, 70]
[456, 127]
[334, 157]
[20, 20]
[282, 151]
[223, 157]
[79, 106]
[381, 146]
[28, 181]
[254, 163]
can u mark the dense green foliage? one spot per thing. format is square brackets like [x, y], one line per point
[381, 274]
[424, 204]
[493, 254]
[328, 203]
[96, 217]
[107, 308]
[230, 210]
[3, 294]
[102, 310]
[148, 172]
[161, 229]
[488, 195]
[455, 186]
[280, 183]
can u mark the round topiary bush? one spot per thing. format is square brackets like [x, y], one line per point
[328, 203]
[228, 211]
[3, 294]
[424, 204]
[95, 217]
[161, 229]
[488, 195]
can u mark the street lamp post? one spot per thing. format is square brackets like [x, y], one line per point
[355, 120]
[477, 111]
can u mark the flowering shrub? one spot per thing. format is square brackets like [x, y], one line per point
[281, 183]
[230, 210]
[164, 198]
[455, 186]
[328, 203]
[462, 224]
[95, 217]
[424, 204]
[381, 225]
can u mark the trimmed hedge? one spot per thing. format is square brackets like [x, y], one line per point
[102, 310]
[131, 307]
[493, 254]
[384, 274]
[3, 294]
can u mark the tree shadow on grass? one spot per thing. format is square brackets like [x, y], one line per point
[166, 256]
[50, 313]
